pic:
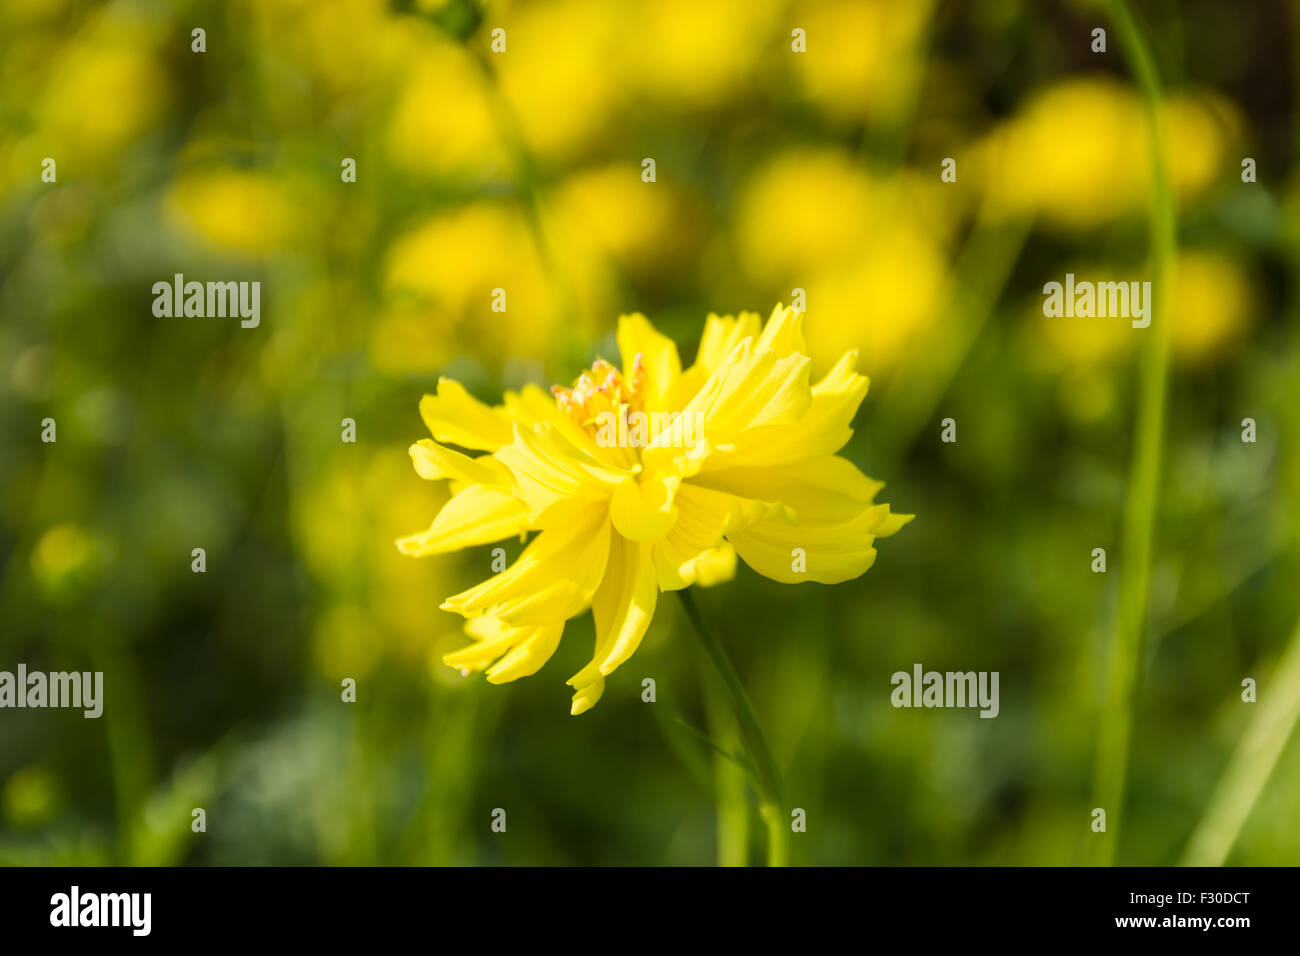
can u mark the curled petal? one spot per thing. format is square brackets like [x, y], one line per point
[553, 477]
[455, 416]
[476, 515]
[552, 580]
[432, 462]
[622, 608]
[517, 651]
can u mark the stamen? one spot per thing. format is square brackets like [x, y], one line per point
[603, 389]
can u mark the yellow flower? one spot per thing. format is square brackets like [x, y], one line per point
[739, 459]
[1211, 308]
[1104, 174]
[104, 90]
[248, 212]
[554, 51]
[1212, 305]
[864, 56]
[442, 122]
[441, 279]
[690, 67]
[849, 238]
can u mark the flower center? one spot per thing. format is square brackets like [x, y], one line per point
[603, 390]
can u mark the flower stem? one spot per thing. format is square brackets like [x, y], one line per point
[1252, 763]
[767, 776]
[1144, 476]
[729, 780]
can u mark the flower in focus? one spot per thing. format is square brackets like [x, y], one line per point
[740, 460]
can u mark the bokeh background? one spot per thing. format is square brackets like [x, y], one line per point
[522, 170]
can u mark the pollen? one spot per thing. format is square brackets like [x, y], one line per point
[603, 389]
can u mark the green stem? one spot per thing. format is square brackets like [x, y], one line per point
[1251, 765]
[1144, 476]
[728, 780]
[768, 777]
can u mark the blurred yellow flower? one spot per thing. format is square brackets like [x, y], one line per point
[867, 251]
[410, 338]
[234, 209]
[443, 122]
[1209, 308]
[606, 216]
[686, 53]
[1087, 394]
[1099, 177]
[1076, 342]
[560, 74]
[612, 205]
[103, 90]
[804, 210]
[885, 303]
[62, 558]
[744, 463]
[1199, 130]
[31, 796]
[441, 280]
[864, 57]
[322, 40]
[1077, 152]
[344, 644]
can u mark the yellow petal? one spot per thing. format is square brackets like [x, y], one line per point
[783, 333]
[552, 580]
[528, 656]
[552, 477]
[821, 489]
[716, 566]
[643, 510]
[752, 389]
[721, 336]
[822, 430]
[474, 516]
[636, 336]
[689, 548]
[890, 524]
[522, 650]
[824, 532]
[622, 609]
[432, 462]
[455, 416]
[783, 397]
[492, 638]
[792, 553]
[585, 697]
[532, 406]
